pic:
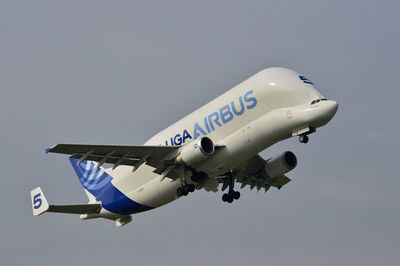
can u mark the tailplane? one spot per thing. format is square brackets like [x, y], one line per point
[97, 185]
[40, 205]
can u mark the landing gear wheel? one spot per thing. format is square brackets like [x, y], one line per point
[303, 139]
[186, 189]
[230, 198]
[179, 191]
[236, 195]
[232, 194]
[192, 187]
[225, 197]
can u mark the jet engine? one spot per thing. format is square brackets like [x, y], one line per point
[196, 151]
[279, 165]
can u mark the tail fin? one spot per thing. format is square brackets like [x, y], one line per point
[39, 202]
[93, 178]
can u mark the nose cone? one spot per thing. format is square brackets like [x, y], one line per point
[324, 112]
[327, 111]
[331, 108]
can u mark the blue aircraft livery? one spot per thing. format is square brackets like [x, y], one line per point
[305, 80]
[220, 117]
[95, 180]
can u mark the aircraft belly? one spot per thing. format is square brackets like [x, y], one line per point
[144, 187]
[156, 193]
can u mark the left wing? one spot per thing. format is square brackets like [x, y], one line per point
[250, 174]
[155, 156]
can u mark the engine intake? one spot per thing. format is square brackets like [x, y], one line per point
[280, 165]
[196, 151]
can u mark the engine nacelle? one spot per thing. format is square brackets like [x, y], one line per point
[281, 164]
[196, 151]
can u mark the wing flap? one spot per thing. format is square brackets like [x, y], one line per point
[261, 182]
[280, 181]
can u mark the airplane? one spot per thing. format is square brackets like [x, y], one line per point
[218, 144]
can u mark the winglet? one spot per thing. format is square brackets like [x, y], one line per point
[47, 150]
[39, 202]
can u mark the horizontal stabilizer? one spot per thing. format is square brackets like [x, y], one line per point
[76, 209]
[40, 205]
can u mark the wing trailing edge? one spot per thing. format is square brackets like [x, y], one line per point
[117, 155]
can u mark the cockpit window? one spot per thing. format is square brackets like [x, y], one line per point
[318, 100]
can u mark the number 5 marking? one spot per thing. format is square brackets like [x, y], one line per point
[37, 201]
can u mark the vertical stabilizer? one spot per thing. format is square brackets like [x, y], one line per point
[92, 199]
[93, 179]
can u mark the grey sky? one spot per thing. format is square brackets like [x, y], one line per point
[117, 72]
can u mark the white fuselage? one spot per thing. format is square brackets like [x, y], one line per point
[259, 112]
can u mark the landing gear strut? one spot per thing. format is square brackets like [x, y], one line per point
[185, 189]
[232, 194]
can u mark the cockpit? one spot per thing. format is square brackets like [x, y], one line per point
[318, 100]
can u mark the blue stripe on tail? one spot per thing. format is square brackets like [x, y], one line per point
[95, 180]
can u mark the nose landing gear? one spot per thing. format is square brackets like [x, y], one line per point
[303, 139]
[232, 194]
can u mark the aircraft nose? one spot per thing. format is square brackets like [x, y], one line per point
[325, 112]
[332, 107]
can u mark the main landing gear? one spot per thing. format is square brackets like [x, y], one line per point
[232, 194]
[185, 189]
